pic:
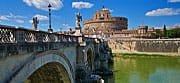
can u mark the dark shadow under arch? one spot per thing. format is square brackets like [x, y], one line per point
[52, 72]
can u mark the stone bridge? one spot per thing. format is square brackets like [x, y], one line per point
[37, 56]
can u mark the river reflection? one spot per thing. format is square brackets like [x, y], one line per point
[145, 70]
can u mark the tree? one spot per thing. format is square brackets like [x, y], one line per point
[174, 33]
[164, 31]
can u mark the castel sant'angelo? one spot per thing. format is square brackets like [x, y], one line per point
[103, 22]
[103, 25]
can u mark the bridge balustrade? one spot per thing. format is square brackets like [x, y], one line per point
[65, 38]
[18, 40]
[87, 39]
[30, 36]
[9, 34]
[68, 38]
[74, 38]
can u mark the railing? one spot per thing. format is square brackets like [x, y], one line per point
[10, 34]
[20, 41]
[7, 35]
[87, 39]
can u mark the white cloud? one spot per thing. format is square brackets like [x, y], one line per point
[41, 17]
[31, 21]
[163, 12]
[108, 9]
[66, 27]
[4, 18]
[43, 4]
[177, 24]
[44, 25]
[167, 26]
[173, 1]
[14, 16]
[19, 21]
[80, 5]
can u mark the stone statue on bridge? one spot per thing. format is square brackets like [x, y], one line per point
[78, 26]
[35, 22]
[78, 19]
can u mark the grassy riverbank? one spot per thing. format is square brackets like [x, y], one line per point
[135, 54]
[130, 53]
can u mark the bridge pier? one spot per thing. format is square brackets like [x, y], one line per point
[91, 62]
[104, 56]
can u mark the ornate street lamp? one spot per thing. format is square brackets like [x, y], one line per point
[50, 29]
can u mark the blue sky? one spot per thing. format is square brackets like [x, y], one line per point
[153, 13]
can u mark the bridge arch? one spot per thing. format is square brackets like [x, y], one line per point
[58, 60]
[52, 72]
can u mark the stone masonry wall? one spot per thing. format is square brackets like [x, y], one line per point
[157, 46]
[149, 45]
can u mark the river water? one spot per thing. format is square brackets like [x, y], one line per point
[145, 70]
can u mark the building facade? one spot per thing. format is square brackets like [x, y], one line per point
[104, 23]
[140, 32]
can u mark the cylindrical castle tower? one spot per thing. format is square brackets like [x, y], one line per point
[103, 22]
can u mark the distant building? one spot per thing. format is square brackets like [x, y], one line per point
[141, 32]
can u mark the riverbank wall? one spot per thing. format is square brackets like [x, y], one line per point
[147, 46]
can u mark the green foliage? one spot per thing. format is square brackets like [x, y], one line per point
[158, 35]
[165, 31]
[174, 33]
